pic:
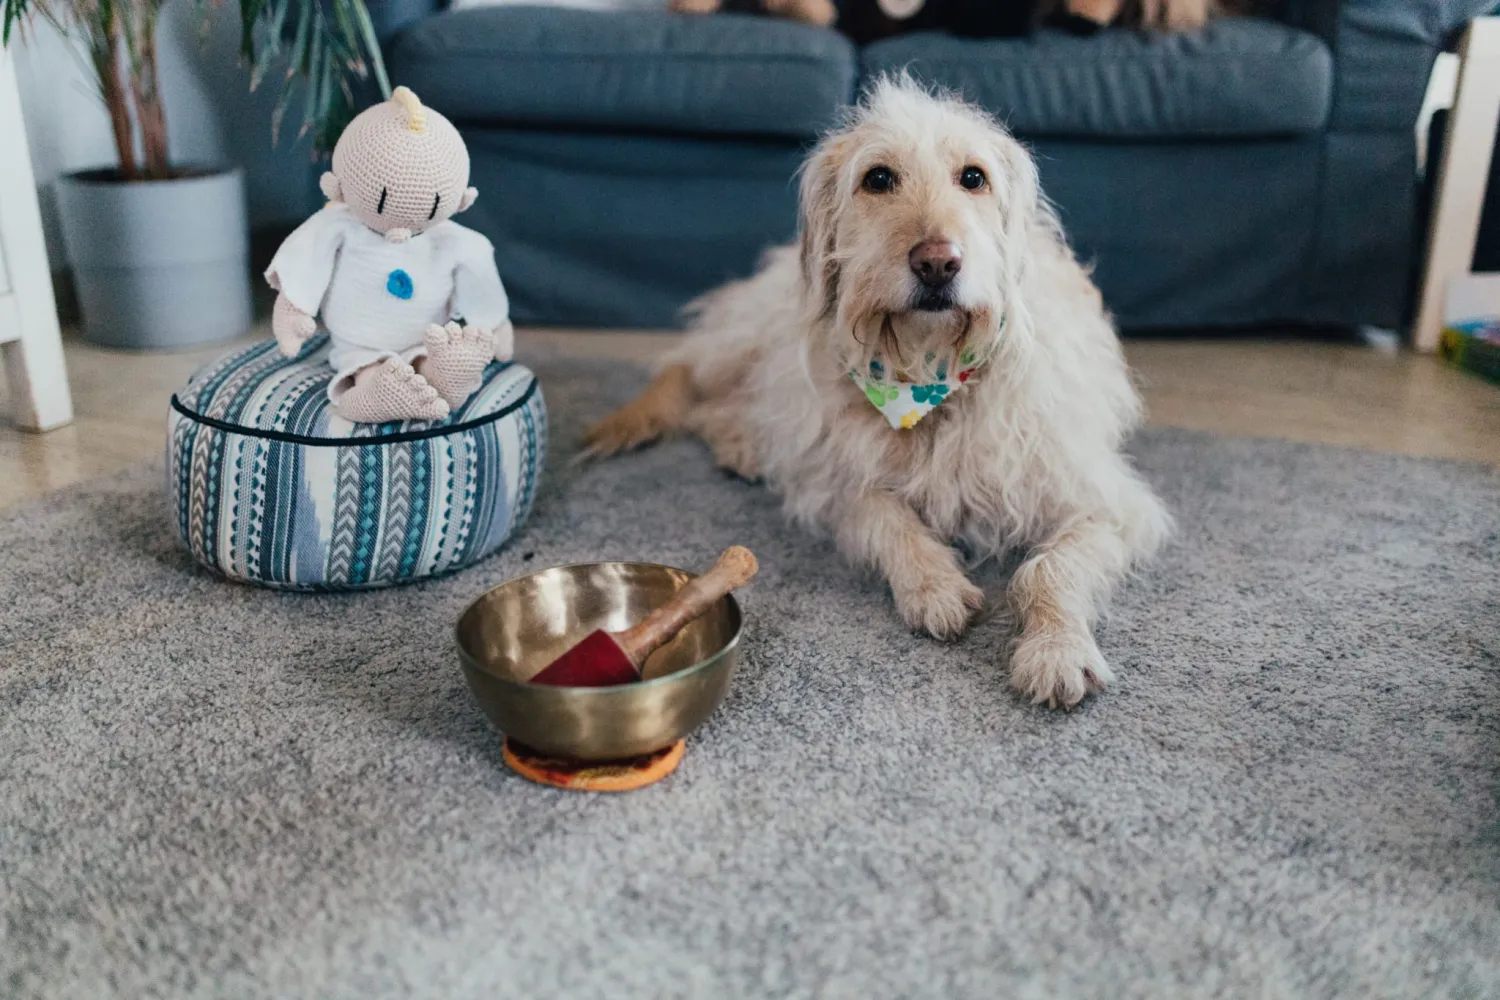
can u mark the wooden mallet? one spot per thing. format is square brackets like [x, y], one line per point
[604, 659]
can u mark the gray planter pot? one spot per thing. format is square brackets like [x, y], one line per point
[158, 264]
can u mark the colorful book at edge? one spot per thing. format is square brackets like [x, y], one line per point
[1473, 345]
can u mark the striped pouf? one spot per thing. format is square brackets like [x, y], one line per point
[271, 486]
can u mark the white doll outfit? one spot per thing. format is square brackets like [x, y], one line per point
[376, 298]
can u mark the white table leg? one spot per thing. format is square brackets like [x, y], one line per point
[1465, 172]
[29, 336]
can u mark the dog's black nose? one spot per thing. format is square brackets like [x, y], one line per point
[935, 263]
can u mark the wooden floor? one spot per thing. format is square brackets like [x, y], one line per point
[1318, 391]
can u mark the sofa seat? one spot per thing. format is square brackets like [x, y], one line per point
[568, 68]
[1240, 78]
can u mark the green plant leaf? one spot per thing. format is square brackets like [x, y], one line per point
[316, 61]
[333, 46]
[346, 27]
[278, 113]
[372, 45]
[250, 12]
[321, 138]
[299, 43]
[13, 12]
[272, 47]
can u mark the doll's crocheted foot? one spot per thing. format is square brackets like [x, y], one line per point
[391, 390]
[456, 359]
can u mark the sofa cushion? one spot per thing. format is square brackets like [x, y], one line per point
[628, 70]
[1239, 77]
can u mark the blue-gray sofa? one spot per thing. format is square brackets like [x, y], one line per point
[1261, 171]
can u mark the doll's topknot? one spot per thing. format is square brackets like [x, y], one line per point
[416, 115]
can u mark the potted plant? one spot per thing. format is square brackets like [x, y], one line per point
[160, 250]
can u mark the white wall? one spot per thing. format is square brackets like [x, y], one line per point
[211, 116]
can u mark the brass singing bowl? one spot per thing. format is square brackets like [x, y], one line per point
[514, 630]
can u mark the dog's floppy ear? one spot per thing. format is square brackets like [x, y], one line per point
[817, 218]
[1020, 199]
[1023, 220]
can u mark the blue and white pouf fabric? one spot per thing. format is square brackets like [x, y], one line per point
[271, 486]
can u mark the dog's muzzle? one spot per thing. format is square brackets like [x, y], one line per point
[934, 299]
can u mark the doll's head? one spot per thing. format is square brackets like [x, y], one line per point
[401, 168]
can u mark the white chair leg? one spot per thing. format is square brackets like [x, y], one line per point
[29, 336]
[39, 396]
[1465, 172]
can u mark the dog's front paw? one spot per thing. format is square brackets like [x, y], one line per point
[939, 604]
[1058, 666]
[736, 454]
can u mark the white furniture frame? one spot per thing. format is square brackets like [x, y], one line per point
[1465, 171]
[29, 336]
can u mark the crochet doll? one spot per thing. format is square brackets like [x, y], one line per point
[412, 302]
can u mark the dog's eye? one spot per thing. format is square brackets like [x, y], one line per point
[972, 179]
[879, 180]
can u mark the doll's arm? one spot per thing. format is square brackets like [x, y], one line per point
[478, 294]
[291, 326]
[301, 272]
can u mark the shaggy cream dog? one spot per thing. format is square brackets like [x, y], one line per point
[928, 258]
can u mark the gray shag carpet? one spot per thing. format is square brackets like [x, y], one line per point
[213, 790]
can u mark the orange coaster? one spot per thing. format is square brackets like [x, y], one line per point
[610, 776]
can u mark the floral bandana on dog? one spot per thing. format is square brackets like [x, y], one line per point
[903, 402]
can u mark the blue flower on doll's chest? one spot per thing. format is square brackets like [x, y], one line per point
[399, 284]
